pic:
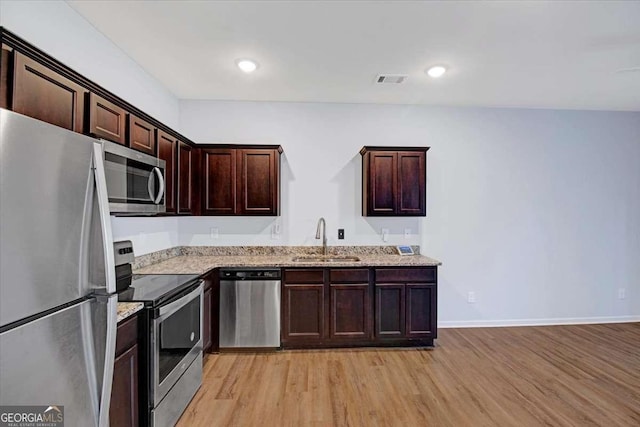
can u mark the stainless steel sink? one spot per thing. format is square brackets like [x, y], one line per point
[326, 259]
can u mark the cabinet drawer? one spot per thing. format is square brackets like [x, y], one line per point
[390, 275]
[127, 334]
[349, 275]
[304, 276]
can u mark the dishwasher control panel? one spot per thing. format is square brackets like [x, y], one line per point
[250, 274]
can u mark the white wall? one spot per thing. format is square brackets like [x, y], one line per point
[57, 29]
[536, 211]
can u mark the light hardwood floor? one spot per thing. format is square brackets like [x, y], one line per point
[586, 375]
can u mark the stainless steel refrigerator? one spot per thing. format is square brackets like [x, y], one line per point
[57, 301]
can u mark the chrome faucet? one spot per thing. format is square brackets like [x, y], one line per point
[321, 222]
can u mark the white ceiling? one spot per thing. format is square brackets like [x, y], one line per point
[520, 54]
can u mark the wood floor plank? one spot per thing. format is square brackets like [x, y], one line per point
[586, 375]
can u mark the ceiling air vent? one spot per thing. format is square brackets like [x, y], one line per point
[391, 78]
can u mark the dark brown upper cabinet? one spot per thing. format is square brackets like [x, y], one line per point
[106, 120]
[43, 94]
[142, 135]
[259, 182]
[241, 180]
[168, 151]
[5, 75]
[185, 179]
[394, 181]
[219, 181]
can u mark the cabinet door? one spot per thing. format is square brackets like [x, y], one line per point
[206, 321]
[106, 120]
[421, 307]
[5, 76]
[167, 151]
[43, 94]
[383, 174]
[219, 176]
[258, 184]
[123, 411]
[185, 176]
[411, 193]
[390, 310]
[142, 135]
[350, 311]
[303, 313]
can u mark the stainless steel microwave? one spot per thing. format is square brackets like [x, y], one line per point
[135, 181]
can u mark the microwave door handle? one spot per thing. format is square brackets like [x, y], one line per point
[150, 182]
[105, 219]
[161, 189]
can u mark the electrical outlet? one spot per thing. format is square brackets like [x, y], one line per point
[275, 231]
[214, 232]
[407, 233]
[471, 297]
[622, 293]
[385, 234]
[340, 233]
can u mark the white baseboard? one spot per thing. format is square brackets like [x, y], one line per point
[536, 322]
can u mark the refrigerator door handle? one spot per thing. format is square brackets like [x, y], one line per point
[161, 189]
[105, 219]
[109, 360]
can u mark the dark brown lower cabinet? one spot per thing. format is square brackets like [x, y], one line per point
[350, 311]
[123, 411]
[303, 313]
[207, 342]
[350, 304]
[343, 307]
[421, 303]
[211, 313]
[406, 303]
[390, 309]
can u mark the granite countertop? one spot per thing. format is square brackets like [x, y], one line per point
[199, 264]
[127, 309]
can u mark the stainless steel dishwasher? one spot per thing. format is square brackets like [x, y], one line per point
[249, 308]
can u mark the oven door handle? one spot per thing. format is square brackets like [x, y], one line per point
[169, 309]
[161, 189]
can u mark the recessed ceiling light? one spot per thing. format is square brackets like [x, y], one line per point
[247, 65]
[436, 71]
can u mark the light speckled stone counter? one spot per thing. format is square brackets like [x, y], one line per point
[194, 264]
[127, 309]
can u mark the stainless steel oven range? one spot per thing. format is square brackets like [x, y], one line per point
[171, 337]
